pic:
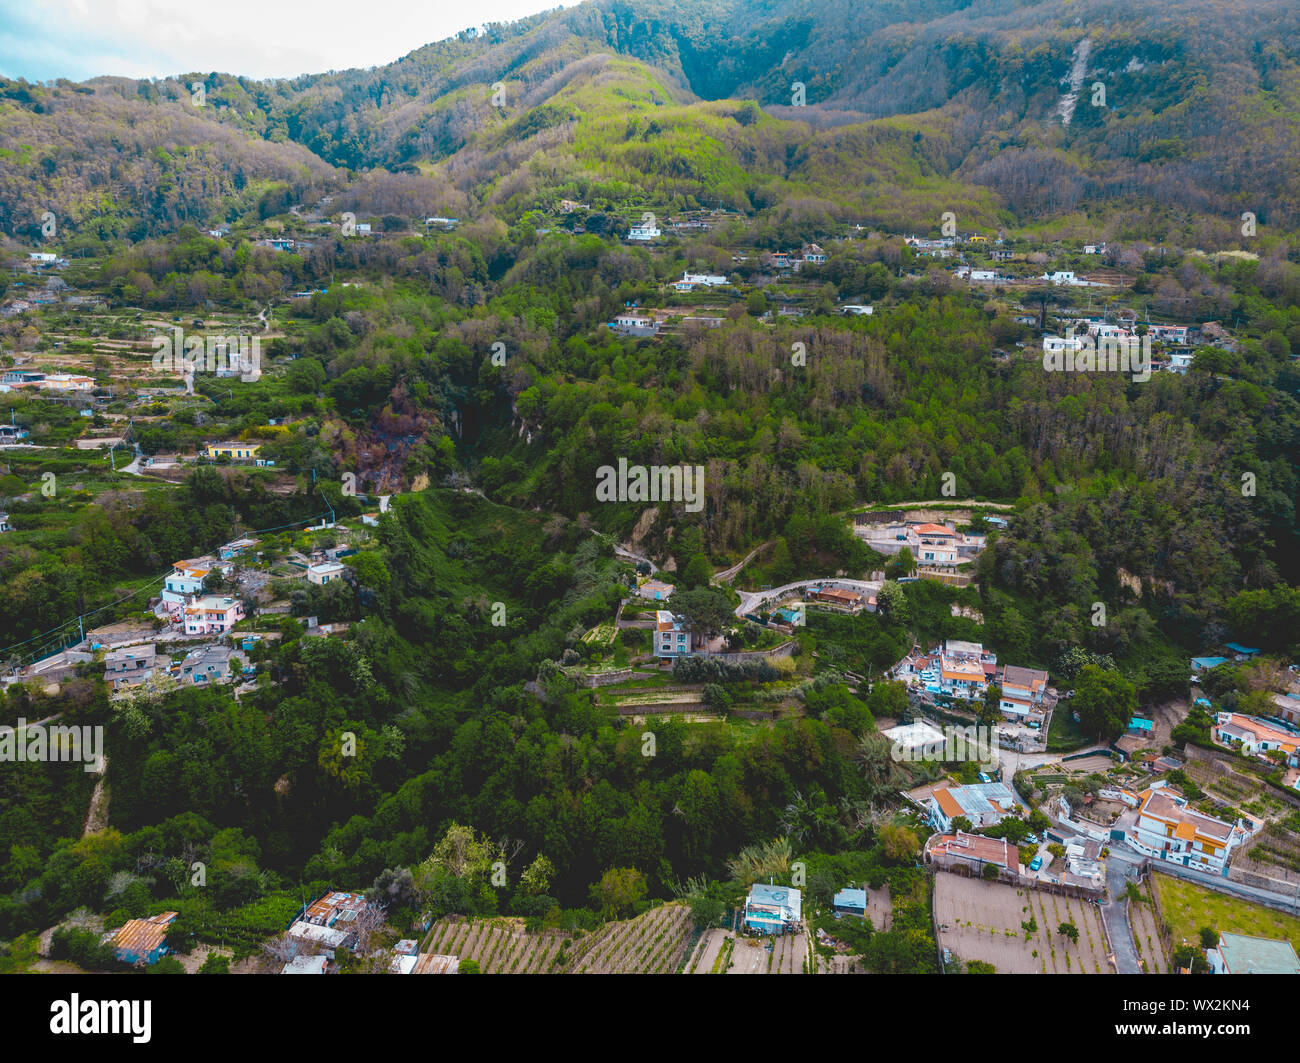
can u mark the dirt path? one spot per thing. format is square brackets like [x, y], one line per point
[710, 945]
[97, 816]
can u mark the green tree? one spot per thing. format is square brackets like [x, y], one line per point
[536, 877]
[215, 963]
[1104, 700]
[900, 843]
[1069, 930]
[619, 891]
[989, 712]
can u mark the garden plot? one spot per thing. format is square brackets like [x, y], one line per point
[602, 634]
[1187, 907]
[708, 952]
[1088, 765]
[659, 697]
[498, 946]
[653, 943]
[986, 921]
[1146, 935]
[1275, 852]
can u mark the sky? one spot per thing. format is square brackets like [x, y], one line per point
[78, 39]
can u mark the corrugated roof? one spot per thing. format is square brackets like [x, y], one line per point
[142, 936]
[947, 803]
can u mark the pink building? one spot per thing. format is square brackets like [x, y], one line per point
[213, 615]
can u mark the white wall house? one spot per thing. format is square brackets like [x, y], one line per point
[325, 572]
[672, 636]
[711, 280]
[1167, 829]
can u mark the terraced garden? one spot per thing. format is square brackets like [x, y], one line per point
[653, 943]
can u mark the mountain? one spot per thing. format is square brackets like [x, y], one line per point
[989, 109]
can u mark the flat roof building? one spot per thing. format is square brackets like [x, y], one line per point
[1240, 954]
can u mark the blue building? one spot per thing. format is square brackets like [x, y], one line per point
[773, 909]
[850, 902]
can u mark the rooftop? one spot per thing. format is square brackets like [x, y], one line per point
[976, 847]
[142, 936]
[1252, 955]
[1165, 805]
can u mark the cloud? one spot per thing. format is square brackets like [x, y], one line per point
[79, 39]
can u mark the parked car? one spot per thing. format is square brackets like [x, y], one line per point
[1036, 863]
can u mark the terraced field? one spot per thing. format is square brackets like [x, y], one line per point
[653, 943]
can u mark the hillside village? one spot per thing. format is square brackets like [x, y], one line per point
[945, 623]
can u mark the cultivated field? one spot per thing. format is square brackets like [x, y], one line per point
[1187, 907]
[722, 952]
[499, 946]
[1146, 935]
[786, 956]
[652, 943]
[983, 921]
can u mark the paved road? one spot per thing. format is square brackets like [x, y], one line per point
[1114, 913]
[1289, 901]
[750, 600]
[728, 574]
[627, 555]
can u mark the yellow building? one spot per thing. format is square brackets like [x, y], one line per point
[231, 450]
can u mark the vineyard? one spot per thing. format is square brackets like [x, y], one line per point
[652, 943]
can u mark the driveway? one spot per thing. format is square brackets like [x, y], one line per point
[1114, 913]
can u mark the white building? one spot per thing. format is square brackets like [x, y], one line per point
[915, 740]
[185, 581]
[709, 280]
[984, 804]
[1053, 344]
[773, 909]
[644, 232]
[656, 590]
[672, 636]
[1255, 737]
[1023, 691]
[325, 572]
[1167, 829]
